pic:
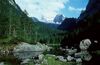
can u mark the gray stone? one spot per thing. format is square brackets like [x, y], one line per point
[26, 61]
[78, 60]
[84, 44]
[71, 51]
[24, 50]
[69, 58]
[84, 55]
[61, 58]
[1, 63]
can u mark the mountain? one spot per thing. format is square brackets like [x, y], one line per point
[14, 23]
[58, 18]
[88, 27]
[35, 19]
[16, 26]
[88, 24]
[50, 25]
[68, 24]
[92, 7]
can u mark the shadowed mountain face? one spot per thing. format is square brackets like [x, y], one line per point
[68, 24]
[93, 5]
[86, 26]
[92, 9]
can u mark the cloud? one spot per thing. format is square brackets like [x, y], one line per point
[70, 8]
[42, 8]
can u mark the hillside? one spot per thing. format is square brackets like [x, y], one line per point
[15, 25]
[87, 25]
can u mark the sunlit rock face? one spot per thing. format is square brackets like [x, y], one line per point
[25, 50]
[58, 18]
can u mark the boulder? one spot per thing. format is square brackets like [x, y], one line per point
[71, 51]
[79, 60]
[61, 58]
[1, 63]
[84, 44]
[84, 55]
[69, 58]
[25, 51]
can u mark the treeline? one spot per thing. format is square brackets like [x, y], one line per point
[16, 25]
[14, 22]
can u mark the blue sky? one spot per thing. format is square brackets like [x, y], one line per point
[73, 8]
[48, 9]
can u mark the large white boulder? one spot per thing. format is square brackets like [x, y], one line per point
[25, 50]
[1, 63]
[84, 44]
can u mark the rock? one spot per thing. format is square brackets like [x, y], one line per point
[84, 44]
[58, 18]
[24, 50]
[61, 58]
[87, 26]
[78, 55]
[78, 60]
[37, 64]
[71, 51]
[87, 56]
[45, 62]
[1, 63]
[84, 55]
[26, 61]
[95, 41]
[41, 56]
[69, 58]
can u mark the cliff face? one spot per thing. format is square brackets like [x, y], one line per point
[88, 25]
[91, 12]
[68, 24]
[92, 7]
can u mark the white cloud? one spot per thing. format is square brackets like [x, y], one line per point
[70, 8]
[38, 8]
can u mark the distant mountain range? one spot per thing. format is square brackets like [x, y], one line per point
[15, 25]
[50, 25]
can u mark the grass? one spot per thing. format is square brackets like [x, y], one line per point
[52, 61]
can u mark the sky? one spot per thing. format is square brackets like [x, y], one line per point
[48, 9]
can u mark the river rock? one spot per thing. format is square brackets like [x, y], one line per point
[24, 50]
[84, 44]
